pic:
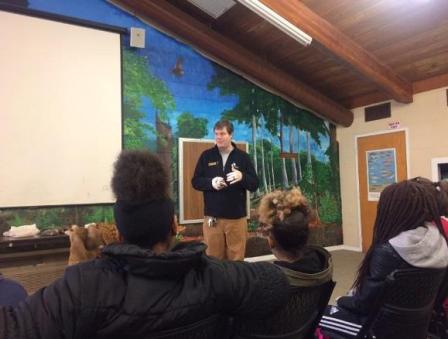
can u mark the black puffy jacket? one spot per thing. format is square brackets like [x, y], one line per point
[229, 202]
[131, 292]
[384, 261]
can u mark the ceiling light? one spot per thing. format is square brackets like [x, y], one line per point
[214, 8]
[277, 20]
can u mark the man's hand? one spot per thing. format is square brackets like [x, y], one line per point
[234, 176]
[218, 183]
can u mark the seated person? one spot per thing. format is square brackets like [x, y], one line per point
[407, 234]
[144, 284]
[285, 216]
[11, 292]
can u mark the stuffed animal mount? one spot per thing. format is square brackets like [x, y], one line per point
[86, 242]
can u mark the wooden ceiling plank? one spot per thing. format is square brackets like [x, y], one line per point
[170, 19]
[343, 47]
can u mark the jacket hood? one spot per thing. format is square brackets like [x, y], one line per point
[301, 279]
[423, 247]
[171, 264]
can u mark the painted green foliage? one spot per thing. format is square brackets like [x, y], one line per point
[51, 217]
[190, 127]
[263, 111]
[139, 82]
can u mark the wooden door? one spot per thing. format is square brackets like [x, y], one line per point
[373, 150]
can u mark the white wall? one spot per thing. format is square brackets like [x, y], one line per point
[427, 122]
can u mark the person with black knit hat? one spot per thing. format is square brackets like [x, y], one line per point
[145, 284]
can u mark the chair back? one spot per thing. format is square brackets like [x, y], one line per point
[298, 319]
[216, 326]
[405, 306]
[438, 326]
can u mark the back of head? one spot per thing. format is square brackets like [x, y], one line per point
[286, 213]
[405, 206]
[402, 206]
[143, 211]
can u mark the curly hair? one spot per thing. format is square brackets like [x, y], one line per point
[287, 215]
[138, 176]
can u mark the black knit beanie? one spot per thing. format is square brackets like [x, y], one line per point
[144, 223]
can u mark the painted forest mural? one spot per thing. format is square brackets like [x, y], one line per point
[171, 91]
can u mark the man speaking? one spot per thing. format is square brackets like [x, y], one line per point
[224, 173]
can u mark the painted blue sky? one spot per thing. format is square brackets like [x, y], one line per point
[190, 91]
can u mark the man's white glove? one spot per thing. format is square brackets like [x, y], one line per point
[234, 176]
[218, 183]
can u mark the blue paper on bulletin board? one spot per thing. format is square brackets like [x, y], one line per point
[381, 171]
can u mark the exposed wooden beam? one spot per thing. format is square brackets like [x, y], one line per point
[376, 97]
[364, 100]
[170, 19]
[343, 47]
[430, 83]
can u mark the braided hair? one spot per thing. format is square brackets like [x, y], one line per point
[402, 206]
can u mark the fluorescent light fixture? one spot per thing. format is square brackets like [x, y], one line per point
[277, 20]
[214, 8]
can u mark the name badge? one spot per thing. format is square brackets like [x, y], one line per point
[212, 163]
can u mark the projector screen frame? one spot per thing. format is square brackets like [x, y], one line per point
[62, 18]
[83, 23]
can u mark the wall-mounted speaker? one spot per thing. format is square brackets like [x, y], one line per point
[377, 112]
[137, 37]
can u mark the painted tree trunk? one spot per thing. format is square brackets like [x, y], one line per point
[291, 150]
[299, 163]
[284, 174]
[272, 164]
[164, 142]
[263, 168]
[308, 148]
[268, 171]
[254, 141]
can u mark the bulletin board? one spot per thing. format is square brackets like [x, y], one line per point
[191, 201]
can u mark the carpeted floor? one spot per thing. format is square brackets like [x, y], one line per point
[345, 266]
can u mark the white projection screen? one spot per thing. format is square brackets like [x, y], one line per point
[60, 112]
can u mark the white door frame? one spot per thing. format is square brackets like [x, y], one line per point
[408, 173]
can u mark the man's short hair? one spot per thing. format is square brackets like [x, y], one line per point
[224, 124]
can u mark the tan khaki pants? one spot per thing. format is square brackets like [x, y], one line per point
[226, 239]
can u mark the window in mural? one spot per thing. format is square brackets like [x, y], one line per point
[171, 91]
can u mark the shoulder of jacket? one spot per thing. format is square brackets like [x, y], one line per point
[385, 249]
[211, 150]
[385, 256]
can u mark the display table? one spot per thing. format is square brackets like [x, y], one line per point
[32, 250]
